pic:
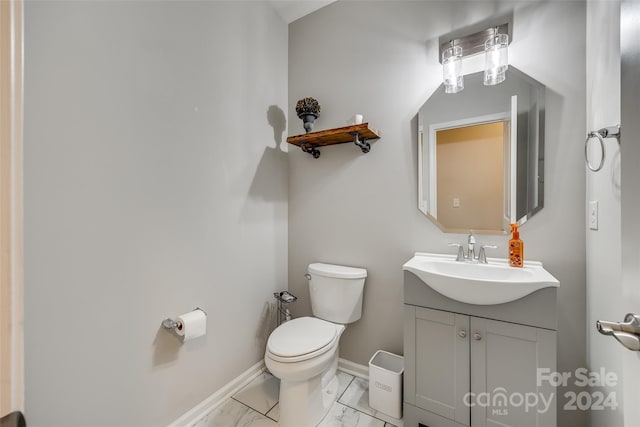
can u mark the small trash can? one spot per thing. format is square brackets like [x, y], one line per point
[385, 383]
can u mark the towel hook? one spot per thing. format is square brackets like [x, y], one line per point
[608, 132]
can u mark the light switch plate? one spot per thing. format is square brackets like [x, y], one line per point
[593, 214]
[456, 202]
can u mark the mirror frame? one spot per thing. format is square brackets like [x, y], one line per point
[527, 170]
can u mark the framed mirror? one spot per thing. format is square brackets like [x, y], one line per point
[481, 154]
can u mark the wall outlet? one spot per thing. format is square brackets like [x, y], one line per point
[456, 202]
[593, 214]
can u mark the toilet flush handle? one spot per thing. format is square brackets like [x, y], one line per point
[308, 276]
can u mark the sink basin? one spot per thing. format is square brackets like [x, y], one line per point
[482, 284]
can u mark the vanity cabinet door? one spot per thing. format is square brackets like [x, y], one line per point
[505, 359]
[437, 353]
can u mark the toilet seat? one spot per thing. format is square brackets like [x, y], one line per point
[301, 339]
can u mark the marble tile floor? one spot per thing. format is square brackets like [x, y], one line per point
[256, 405]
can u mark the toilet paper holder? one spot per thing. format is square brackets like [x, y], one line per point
[170, 323]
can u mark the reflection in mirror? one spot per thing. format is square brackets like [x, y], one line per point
[470, 203]
[481, 154]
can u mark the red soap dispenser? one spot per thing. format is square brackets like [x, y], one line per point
[516, 248]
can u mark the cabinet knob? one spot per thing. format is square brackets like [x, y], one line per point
[462, 333]
[477, 336]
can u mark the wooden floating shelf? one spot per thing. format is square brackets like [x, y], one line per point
[334, 136]
[358, 134]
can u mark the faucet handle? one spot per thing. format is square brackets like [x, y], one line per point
[482, 255]
[460, 251]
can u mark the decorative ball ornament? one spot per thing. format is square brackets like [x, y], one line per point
[308, 109]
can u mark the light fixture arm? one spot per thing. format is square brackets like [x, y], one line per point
[473, 44]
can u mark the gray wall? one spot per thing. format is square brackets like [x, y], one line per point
[604, 246]
[380, 59]
[155, 181]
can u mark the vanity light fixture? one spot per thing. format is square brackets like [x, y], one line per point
[496, 58]
[452, 69]
[493, 42]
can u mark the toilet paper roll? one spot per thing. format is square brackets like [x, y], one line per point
[192, 325]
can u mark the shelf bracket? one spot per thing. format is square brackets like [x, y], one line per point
[362, 143]
[313, 150]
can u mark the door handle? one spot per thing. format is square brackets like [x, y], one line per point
[627, 333]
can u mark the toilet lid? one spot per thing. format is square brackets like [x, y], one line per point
[301, 336]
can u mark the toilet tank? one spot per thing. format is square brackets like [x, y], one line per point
[336, 292]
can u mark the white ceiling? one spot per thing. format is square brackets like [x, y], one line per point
[290, 10]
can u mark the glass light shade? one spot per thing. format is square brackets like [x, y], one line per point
[452, 70]
[496, 59]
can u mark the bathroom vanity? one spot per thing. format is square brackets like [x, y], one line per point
[480, 337]
[478, 364]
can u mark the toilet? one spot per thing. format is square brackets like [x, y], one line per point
[303, 352]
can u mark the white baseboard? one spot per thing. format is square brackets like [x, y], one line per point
[216, 399]
[353, 368]
[219, 397]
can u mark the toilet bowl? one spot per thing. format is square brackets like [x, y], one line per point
[303, 352]
[305, 368]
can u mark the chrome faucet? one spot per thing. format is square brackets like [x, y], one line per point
[471, 247]
[470, 256]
